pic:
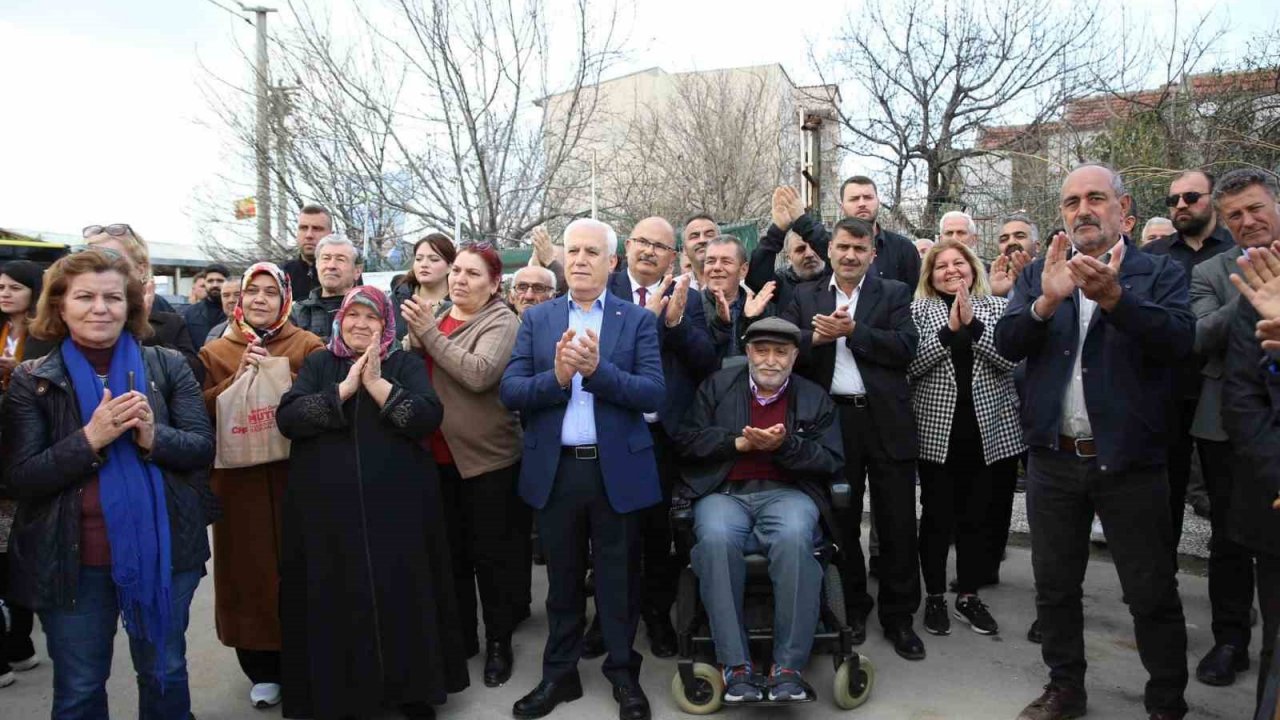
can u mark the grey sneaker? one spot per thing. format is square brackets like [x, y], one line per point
[741, 685]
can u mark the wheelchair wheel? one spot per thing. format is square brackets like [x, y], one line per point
[703, 699]
[833, 594]
[863, 673]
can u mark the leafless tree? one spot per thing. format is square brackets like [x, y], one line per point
[425, 114]
[923, 80]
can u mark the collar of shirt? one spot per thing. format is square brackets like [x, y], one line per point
[635, 285]
[763, 401]
[1072, 251]
[857, 289]
[597, 304]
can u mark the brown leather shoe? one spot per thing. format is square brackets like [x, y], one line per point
[1057, 703]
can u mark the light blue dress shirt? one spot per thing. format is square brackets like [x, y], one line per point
[579, 427]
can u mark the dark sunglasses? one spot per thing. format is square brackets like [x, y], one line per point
[114, 230]
[1190, 198]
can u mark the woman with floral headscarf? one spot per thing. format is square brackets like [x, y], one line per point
[366, 593]
[246, 541]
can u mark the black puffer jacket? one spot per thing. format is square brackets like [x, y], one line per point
[47, 461]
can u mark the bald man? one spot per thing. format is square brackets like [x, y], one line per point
[688, 356]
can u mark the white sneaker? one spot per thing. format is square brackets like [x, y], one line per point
[7, 679]
[265, 695]
[25, 665]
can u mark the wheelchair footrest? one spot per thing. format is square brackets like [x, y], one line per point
[771, 703]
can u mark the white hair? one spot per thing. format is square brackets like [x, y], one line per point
[973, 227]
[611, 237]
[549, 276]
[338, 241]
[1156, 221]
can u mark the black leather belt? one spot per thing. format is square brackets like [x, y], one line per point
[859, 401]
[1083, 447]
[581, 452]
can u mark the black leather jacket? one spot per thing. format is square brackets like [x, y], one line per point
[46, 461]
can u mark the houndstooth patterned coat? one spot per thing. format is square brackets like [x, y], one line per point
[933, 383]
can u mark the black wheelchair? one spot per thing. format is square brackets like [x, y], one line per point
[698, 686]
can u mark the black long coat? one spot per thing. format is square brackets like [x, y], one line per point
[366, 597]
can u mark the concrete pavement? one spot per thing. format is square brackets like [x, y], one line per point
[965, 676]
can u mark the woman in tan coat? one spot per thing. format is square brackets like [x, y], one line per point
[246, 542]
[478, 449]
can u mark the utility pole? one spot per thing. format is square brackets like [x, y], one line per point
[281, 107]
[262, 137]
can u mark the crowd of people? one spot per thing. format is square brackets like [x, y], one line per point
[442, 435]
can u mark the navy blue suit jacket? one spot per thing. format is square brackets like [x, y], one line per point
[1130, 357]
[626, 384]
[688, 353]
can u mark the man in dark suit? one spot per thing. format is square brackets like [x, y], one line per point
[1248, 201]
[1102, 333]
[585, 369]
[688, 356]
[896, 256]
[858, 340]
[1215, 301]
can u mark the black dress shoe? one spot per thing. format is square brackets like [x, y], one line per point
[546, 697]
[593, 640]
[1033, 632]
[858, 624]
[497, 662]
[662, 636]
[1220, 665]
[418, 711]
[632, 704]
[906, 642]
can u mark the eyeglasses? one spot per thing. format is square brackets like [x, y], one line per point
[1190, 198]
[114, 230]
[537, 288]
[652, 245]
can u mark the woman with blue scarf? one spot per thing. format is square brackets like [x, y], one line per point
[105, 447]
[367, 607]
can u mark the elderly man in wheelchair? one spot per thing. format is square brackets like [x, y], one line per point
[761, 448]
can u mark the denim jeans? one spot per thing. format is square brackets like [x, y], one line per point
[782, 524]
[81, 639]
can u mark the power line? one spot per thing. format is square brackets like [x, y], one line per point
[220, 6]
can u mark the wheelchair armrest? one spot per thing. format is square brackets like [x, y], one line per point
[681, 515]
[841, 494]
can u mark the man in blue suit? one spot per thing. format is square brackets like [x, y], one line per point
[585, 369]
[1103, 329]
[688, 356]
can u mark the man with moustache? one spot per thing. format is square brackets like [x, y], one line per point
[688, 356]
[314, 223]
[1199, 237]
[585, 369]
[959, 226]
[202, 316]
[1102, 329]
[1245, 200]
[338, 266]
[728, 306]
[858, 339]
[896, 256]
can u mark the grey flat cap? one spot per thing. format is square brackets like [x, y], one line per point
[775, 329]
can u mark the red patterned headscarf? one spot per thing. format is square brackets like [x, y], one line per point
[264, 334]
[368, 296]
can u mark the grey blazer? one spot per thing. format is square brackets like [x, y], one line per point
[1214, 301]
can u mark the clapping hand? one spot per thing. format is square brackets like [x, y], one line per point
[543, 252]
[785, 207]
[416, 315]
[761, 440]
[826, 328]
[757, 302]
[564, 368]
[1260, 281]
[678, 300]
[1056, 282]
[961, 310]
[351, 383]
[1005, 271]
[372, 370]
[723, 311]
[657, 301]
[115, 416]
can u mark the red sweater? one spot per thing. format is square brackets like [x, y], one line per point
[759, 465]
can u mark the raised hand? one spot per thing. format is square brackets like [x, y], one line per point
[965, 303]
[1002, 276]
[1099, 282]
[678, 300]
[830, 327]
[564, 369]
[722, 307]
[588, 353]
[1056, 282]
[657, 301]
[543, 251]
[778, 209]
[416, 315]
[372, 371]
[1268, 331]
[757, 302]
[1260, 282]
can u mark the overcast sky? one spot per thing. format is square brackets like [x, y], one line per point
[104, 121]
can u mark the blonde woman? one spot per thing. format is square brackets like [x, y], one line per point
[966, 412]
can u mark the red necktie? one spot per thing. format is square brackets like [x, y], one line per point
[644, 296]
